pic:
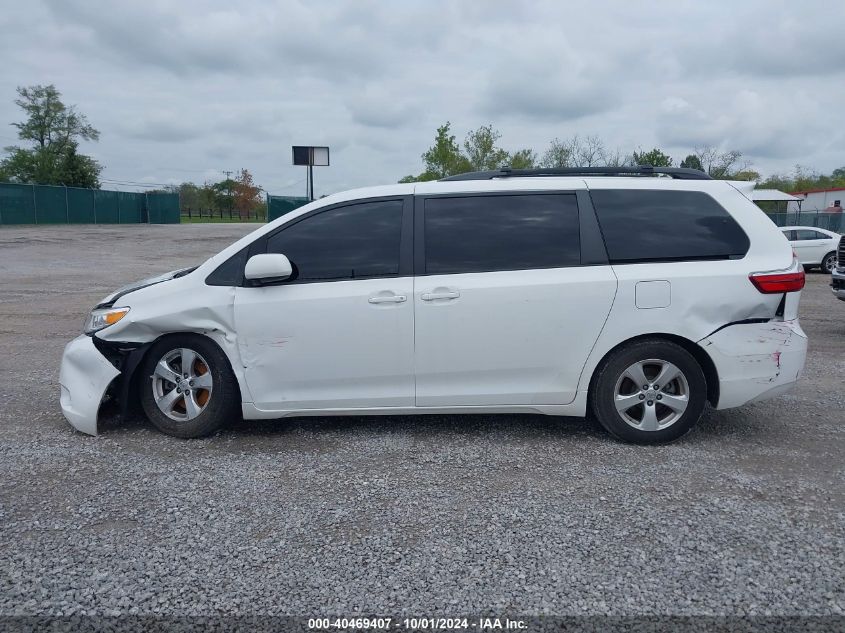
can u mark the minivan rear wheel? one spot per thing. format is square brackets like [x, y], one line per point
[649, 392]
[187, 387]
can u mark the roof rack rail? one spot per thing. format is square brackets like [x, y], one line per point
[680, 173]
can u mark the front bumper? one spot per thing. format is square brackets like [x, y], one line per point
[837, 283]
[84, 377]
[756, 361]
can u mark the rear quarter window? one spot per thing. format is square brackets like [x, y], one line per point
[642, 225]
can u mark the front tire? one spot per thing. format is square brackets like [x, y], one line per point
[187, 387]
[651, 391]
[828, 263]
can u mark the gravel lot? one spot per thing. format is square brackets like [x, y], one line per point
[437, 515]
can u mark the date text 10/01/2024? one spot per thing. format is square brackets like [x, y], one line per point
[421, 623]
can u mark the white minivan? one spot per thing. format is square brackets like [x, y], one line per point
[636, 294]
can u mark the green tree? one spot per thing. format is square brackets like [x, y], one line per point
[523, 159]
[208, 198]
[444, 158]
[559, 154]
[692, 162]
[482, 151]
[654, 157]
[189, 197]
[802, 179]
[223, 194]
[79, 170]
[747, 174]
[53, 131]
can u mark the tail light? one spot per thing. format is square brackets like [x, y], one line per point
[774, 283]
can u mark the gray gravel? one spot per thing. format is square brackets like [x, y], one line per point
[430, 515]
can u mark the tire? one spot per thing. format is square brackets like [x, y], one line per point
[198, 405]
[828, 263]
[641, 422]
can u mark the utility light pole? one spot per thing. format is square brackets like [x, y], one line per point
[228, 182]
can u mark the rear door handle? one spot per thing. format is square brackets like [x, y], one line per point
[432, 296]
[388, 299]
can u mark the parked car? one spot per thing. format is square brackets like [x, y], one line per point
[837, 279]
[815, 247]
[561, 292]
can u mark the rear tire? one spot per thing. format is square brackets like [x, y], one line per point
[187, 388]
[828, 263]
[651, 391]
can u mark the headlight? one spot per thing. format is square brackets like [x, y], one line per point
[99, 319]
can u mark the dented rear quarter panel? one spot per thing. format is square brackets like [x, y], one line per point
[755, 360]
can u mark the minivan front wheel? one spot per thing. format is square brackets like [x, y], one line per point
[649, 392]
[187, 387]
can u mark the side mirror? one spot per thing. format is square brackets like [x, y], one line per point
[268, 268]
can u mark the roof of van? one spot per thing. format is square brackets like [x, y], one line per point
[530, 183]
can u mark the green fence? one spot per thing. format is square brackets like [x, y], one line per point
[277, 206]
[829, 221]
[44, 204]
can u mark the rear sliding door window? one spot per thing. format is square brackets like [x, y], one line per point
[506, 232]
[644, 225]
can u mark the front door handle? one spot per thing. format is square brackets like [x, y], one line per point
[388, 299]
[432, 296]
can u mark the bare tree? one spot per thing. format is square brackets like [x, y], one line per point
[588, 152]
[615, 158]
[720, 164]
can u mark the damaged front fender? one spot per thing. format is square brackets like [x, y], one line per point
[84, 377]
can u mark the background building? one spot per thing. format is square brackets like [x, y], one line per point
[818, 200]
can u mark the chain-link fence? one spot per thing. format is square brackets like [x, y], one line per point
[45, 204]
[829, 221]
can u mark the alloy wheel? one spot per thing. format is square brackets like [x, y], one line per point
[651, 394]
[182, 384]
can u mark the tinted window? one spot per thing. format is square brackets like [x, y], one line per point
[359, 240]
[646, 225]
[790, 235]
[486, 233]
[806, 234]
[230, 272]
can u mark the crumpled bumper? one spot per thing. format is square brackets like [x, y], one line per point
[84, 377]
[756, 361]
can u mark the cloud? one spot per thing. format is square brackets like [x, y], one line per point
[186, 89]
[763, 124]
[165, 126]
[382, 108]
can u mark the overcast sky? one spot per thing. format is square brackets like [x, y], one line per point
[183, 90]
